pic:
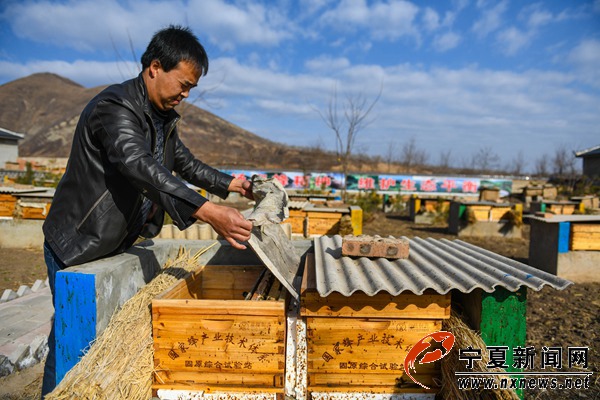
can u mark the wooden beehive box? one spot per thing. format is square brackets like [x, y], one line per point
[322, 222]
[207, 337]
[297, 221]
[561, 208]
[490, 212]
[585, 236]
[358, 343]
[28, 210]
[7, 205]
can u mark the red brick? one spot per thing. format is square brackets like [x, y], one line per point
[374, 246]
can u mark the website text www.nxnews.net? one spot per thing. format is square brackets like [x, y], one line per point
[562, 382]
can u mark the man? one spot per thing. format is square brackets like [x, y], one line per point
[119, 182]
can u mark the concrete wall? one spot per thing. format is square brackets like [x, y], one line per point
[21, 233]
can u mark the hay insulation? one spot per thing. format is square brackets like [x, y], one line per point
[119, 364]
[466, 337]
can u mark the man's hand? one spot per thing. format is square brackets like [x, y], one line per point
[227, 222]
[242, 187]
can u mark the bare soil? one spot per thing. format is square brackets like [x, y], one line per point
[554, 318]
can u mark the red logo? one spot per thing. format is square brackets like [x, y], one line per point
[443, 337]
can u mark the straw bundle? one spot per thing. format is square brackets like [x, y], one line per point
[466, 337]
[119, 364]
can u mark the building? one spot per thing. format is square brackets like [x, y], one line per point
[591, 161]
[9, 146]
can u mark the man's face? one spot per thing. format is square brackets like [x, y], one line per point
[167, 89]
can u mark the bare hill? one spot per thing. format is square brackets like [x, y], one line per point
[46, 107]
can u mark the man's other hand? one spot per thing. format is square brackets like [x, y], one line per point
[227, 222]
[242, 187]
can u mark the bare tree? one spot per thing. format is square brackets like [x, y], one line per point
[390, 154]
[541, 166]
[355, 111]
[517, 164]
[563, 162]
[485, 160]
[445, 157]
[411, 155]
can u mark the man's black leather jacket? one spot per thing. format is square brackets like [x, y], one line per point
[111, 168]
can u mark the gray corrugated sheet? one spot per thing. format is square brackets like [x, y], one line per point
[567, 218]
[297, 205]
[21, 190]
[441, 265]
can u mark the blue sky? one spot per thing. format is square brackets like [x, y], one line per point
[455, 76]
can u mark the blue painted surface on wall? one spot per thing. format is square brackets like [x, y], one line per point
[74, 319]
[564, 229]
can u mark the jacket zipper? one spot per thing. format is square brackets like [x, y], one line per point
[172, 128]
[86, 216]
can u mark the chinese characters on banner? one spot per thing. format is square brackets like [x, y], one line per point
[405, 184]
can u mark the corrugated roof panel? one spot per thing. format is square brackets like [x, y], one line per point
[441, 265]
[297, 205]
[567, 218]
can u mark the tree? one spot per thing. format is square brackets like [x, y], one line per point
[411, 155]
[445, 157]
[541, 166]
[517, 164]
[390, 155]
[485, 160]
[356, 109]
[563, 162]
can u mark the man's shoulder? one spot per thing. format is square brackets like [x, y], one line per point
[127, 93]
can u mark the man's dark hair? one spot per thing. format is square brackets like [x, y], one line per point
[174, 44]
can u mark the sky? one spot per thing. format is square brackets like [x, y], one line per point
[511, 78]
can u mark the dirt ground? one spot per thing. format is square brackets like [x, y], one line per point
[554, 318]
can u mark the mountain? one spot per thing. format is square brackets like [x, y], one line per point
[46, 107]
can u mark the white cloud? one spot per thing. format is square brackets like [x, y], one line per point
[89, 25]
[230, 25]
[431, 19]
[586, 59]
[87, 73]
[512, 40]
[491, 19]
[324, 63]
[390, 20]
[446, 41]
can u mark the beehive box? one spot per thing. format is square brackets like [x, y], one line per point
[322, 222]
[490, 212]
[584, 236]
[359, 343]
[207, 337]
[7, 205]
[32, 210]
[297, 221]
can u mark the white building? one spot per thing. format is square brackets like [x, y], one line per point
[9, 146]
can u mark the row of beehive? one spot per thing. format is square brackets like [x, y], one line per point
[10, 206]
[206, 337]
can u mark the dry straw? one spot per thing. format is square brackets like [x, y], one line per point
[119, 364]
[466, 337]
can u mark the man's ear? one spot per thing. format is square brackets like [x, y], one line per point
[155, 66]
